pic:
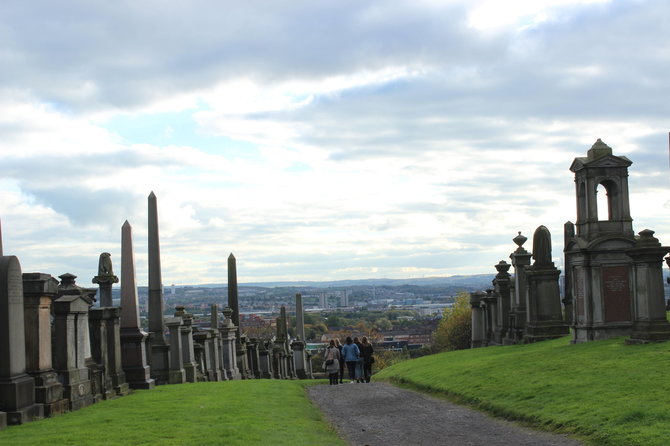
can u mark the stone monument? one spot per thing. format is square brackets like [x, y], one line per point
[478, 335]
[160, 350]
[501, 284]
[517, 314]
[228, 332]
[543, 300]
[105, 279]
[17, 388]
[39, 290]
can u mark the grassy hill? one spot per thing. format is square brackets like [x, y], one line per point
[605, 392]
[230, 413]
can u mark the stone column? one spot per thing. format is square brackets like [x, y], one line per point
[176, 373]
[160, 359]
[650, 323]
[242, 358]
[105, 279]
[477, 319]
[1, 254]
[190, 365]
[490, 316]
[17, 388]
[568, 308]
[216, 373]
[228, 336]
[520, 259]
[502, 288]
[39, 290]
[299, 318]
[133, 339]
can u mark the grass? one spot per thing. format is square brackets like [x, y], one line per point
[604, 392]
[232, 413]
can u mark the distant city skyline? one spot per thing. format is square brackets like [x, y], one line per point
[320, 141]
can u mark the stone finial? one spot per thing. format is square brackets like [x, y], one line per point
[542, 247]
[598, 150]
[502, 267]
[646, 238]
[520, 240]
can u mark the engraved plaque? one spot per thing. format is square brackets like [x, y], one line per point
[616, 293]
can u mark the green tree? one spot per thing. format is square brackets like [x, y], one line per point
[455, 329]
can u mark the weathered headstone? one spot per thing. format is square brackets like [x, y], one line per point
[160, 350]
[543, 301]
[265, 359]
[17, 388]
[39, 290]
[71, 348]
[133, 339]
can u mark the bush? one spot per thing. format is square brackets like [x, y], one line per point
[455, 329]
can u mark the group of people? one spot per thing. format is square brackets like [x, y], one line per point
[357, 355]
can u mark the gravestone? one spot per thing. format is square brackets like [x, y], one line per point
[650, 323]
[254, 358]
[133, 339]
[217, 342]
[189, 362]
[177, 374]
[17, 388]
[478, 325]
[228, 332]
[265, 359]
[160, 350]
[71, 347]
[543, 304]
[39, 290]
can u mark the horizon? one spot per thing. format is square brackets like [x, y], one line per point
[326, 141]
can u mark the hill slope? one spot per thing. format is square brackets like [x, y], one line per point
[605, 392]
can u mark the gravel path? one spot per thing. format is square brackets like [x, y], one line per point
[378, 414]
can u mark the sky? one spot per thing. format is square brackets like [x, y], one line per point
[328, 140]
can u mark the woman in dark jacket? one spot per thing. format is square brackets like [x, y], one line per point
[368, 359]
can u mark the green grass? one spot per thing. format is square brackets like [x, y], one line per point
[605, 392]
[231, 413]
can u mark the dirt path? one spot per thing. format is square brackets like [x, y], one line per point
[379, 414]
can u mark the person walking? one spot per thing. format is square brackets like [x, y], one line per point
[359, 361]
[332, 362]
[350, 353]
[368, 359]
[339, 347]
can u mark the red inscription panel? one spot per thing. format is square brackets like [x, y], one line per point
[616, 293]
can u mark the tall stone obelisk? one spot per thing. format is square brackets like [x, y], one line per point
[133, 339]
[232, 293]
[1, 254]
[160, 350]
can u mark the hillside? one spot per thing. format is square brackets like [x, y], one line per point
[605, 392]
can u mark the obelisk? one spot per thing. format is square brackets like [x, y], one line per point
[160, 350]
[1, 254]
[299, 318]
[232, 293]
[133, 339]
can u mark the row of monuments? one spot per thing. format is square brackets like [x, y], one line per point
[613, 278]
[59, 353]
